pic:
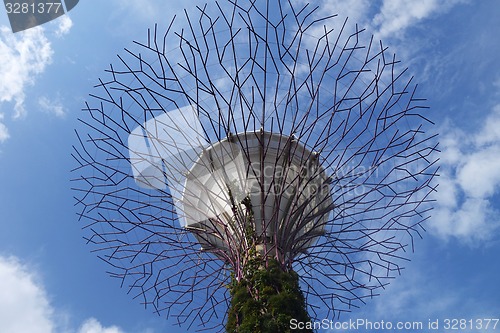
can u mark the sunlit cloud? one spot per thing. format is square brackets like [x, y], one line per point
[420, 296]
[54, 107]
[4, 132]
[92, 325]
[24, 56]
[396, 16]
[64, 24]
[25, 305]
[470, 179]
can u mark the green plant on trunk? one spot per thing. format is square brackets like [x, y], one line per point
[267, 297]
[265, 300]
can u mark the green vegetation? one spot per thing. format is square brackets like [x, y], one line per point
[265, 300]
[267, 297]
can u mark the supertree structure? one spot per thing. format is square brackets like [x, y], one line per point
[248, 145]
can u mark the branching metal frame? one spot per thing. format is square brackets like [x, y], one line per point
[270, 68]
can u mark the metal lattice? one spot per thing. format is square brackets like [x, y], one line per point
[254, 77]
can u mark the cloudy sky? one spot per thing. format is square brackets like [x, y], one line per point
[52, 283]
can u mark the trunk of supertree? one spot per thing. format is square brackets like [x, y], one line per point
[265, 299]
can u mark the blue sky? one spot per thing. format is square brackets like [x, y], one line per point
[48, 274]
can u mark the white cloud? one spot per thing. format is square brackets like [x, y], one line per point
[470, 179]
[479, 175]
[395, 16]
[64, 25]
[424, 293]
[24, 55]
[406, 293]
[25, 305]
[390, 19]
[4, 132]
[490, 134]
[496, 84]
[93, 326]
[54, 107]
